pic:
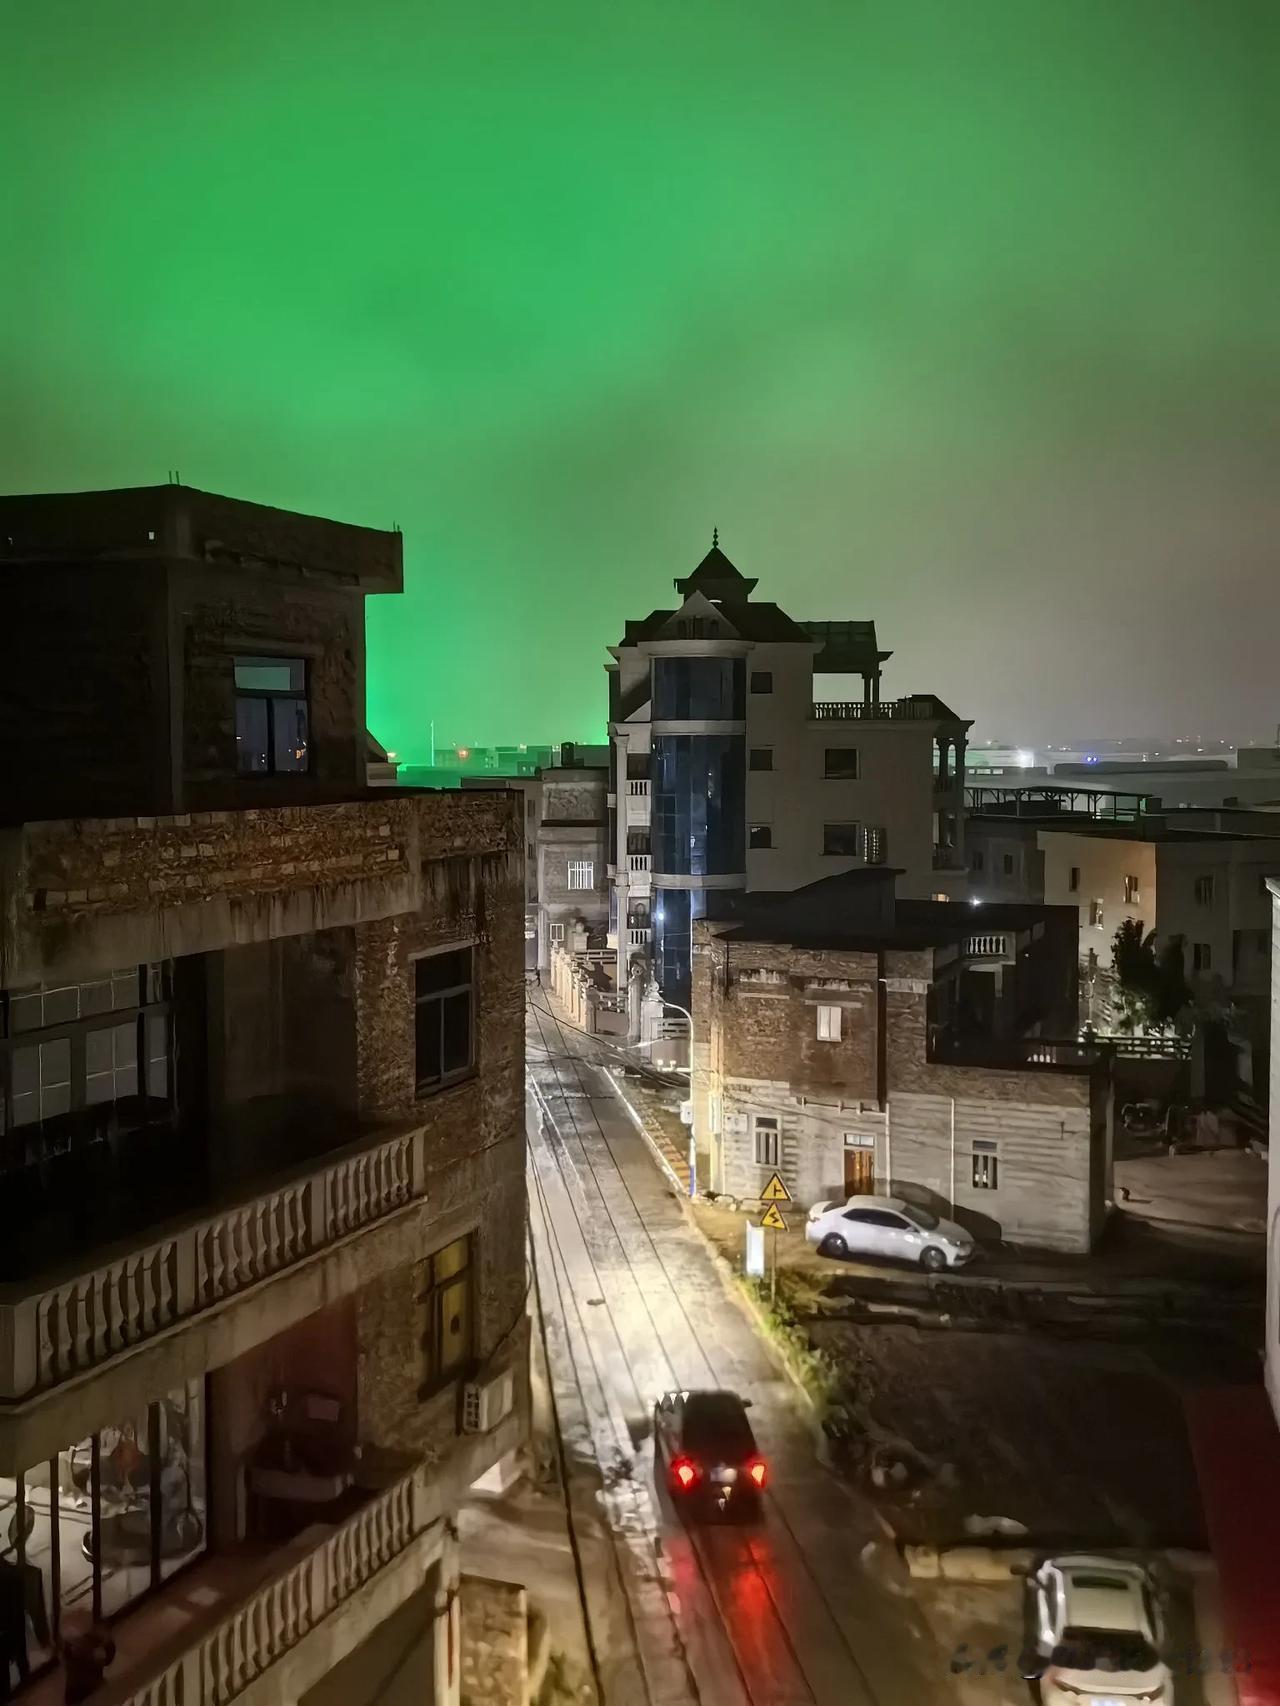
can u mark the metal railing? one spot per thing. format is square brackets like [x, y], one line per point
[922, 708]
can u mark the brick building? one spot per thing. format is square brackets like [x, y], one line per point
[262, 1319]
[856, 1042]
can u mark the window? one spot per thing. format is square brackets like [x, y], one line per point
[555, 932]
[841, 763]
[1007, 864]
[875, 849]
[760, 758]
[765, 1136]
[842, 840]
[986, 1167]
[582, 873]
[1204, 891]
[271, 715]
[1096, 913]
[828, 1024]
[760, 835]
[975, 860]
[70, 1047]
[1130, 890]
[105, 1520]
[448, 1341]
[762, 681]
[443, 997]
[1201, 957]
[1073, 881]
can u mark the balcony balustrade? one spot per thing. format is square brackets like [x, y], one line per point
[639, 861]
[921, 709]
[986, 947]
[50, 1333]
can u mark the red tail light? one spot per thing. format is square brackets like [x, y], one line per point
[757, 1471]
[684, 1473]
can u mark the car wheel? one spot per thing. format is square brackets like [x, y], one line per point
[932, 1260]
[833, 1245]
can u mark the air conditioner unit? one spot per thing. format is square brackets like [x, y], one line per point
[487, 1402]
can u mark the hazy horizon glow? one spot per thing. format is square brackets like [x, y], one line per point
[961, 318]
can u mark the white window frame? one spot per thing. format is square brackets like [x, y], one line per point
[985, 1174]
[581, 873]
[829, 1023]
[555, 933]
[766, 1140]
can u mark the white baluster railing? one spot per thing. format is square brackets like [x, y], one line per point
[271, 1622]
[51, 1334]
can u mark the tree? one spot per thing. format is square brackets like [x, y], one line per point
[1152, 987]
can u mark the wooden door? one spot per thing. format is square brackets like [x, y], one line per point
[859, 1172]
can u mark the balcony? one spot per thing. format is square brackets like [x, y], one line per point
[639, 861]
[52, 1331]
[210, 1634]
[986, 947]
[946, 1047]
[920, 708]
[638, 935]
[638, 790]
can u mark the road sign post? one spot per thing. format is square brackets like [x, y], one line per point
[772, 1219]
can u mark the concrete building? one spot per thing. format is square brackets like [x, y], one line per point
[262, 1319]
[565, 851]
[1178, 873]
[854, 1042]
[751, 751]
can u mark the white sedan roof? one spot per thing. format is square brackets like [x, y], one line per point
[1102, 1593]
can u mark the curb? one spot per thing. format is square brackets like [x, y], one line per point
[641, 1126]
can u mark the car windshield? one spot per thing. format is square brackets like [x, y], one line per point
[715, 1423]
[920, 1217]
[1107, 1650]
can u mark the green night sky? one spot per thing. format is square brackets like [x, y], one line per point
[961, 315]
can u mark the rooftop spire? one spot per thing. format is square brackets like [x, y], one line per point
[715, 538]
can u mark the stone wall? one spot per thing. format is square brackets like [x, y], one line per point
[219, 615]
[495, 1643]
[90, 894]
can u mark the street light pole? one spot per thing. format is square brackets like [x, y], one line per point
[693, 1142]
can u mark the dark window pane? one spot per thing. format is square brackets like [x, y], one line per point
[24, 1012]
[842, 762]
[55, 1062]
[289, 734]
[427, 1043]
[251, 736]
[271, 675]
[841, 839]
[762, 681]
[760, 835]
[456, 1033]
[702, 689]
[761, 758]
[124, 989]
[61, 1006]
[443, 971]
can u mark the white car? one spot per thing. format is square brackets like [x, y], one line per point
[887, 1226]
[1094, 1633]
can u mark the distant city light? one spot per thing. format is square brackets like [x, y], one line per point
[1026, 760]
[464, 752]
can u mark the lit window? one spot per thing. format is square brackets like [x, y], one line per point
[767, 1144]
[271, 715]
[449, 1339]
[1096, 913]
[874, 846]
[582, 874]
[1130, 890]
[828, 1024]
[555, 932]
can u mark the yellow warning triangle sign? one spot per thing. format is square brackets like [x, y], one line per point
[775, 1191]
[772, 1218]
